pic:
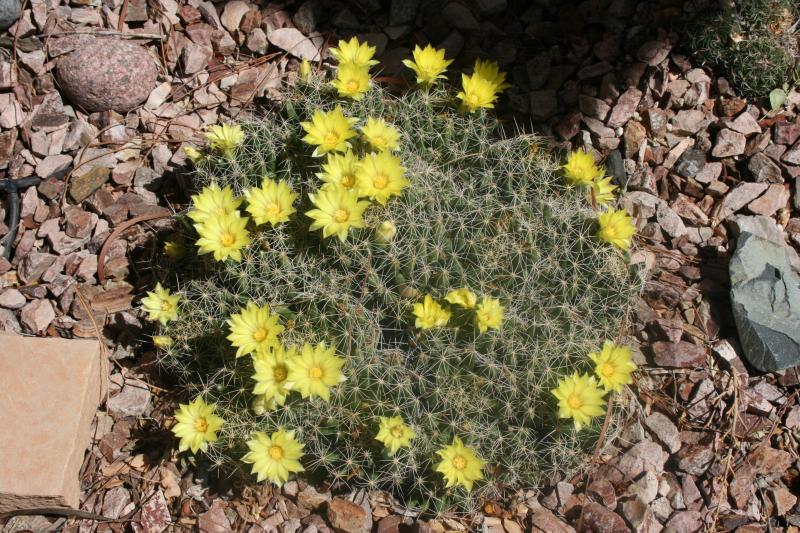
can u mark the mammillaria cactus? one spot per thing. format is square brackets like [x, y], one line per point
[426, 326]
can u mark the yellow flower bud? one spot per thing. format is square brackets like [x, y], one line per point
[385, 232]
[305, 70]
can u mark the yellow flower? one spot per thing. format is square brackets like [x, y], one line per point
[337, 210]
[354, 53]
[162, 341]
[379, 135]
[602, 191]
[580, 169]
[194, 155]
[224, 236]
[305, 70]
[463, 297]
[212, 201]
[160, 305]
[381, 176]
[225, 138]
[430, 314]
[616, 227]
[315, 371]
[274, 457]
[460, 465]
[579, 398]
[477, 93]
[272, 369]
[254, 329]
[329, 132]
[385, 231]
[613, 366]
[489, 71]
[174, 250]
[394, 434]
[489, 314]
[340, 170]
[197, 425]
[352, 81]
[429, 64]
[271, 203]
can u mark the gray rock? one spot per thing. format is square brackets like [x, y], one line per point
[615, 168]
[9, 13]
[690, 163]
[108, 74]
[765, 296]
[764, 169]
[766, 228]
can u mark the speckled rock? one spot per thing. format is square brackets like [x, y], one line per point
[107, 74]
[9, 13]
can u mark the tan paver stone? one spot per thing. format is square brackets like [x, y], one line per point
[50, 389]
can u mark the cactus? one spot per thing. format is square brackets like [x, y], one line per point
[482, 211]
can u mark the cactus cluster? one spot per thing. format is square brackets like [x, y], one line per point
[481, 211]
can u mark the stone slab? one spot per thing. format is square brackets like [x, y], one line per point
[50, 389]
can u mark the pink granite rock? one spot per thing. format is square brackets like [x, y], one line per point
[49, 391]
[107, 74]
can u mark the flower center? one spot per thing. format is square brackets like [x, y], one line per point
[348, 180]
[340, 215]
[380, 141]
[260, 334]
[201, 425]
[227, 239]
[279, 373]
[473, 99]
[315, 373]
[352, 86]
[380, 181]
[166, 306]
[607, 370]
[273, 209]
[276, 452]
[459, 462]
[574, 401]
[331, 138]
[397, 431]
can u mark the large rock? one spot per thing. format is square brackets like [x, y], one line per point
[9, 13]
[107, 74]
[765, 295]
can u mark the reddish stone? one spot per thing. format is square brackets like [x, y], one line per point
[598, 519]
[546, 522]
[348, 517]
[678, 354]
